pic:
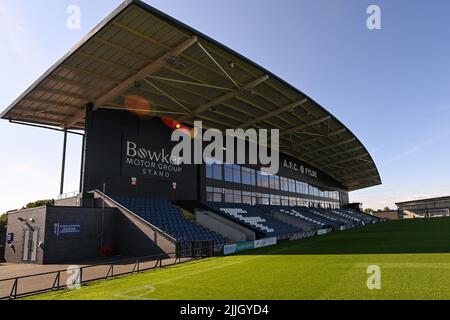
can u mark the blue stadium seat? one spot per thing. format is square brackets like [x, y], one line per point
[253, 218]
[169, 218]
[308, 219]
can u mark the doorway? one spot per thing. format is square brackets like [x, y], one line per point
[30, 243]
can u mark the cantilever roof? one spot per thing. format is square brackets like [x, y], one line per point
[138, 50]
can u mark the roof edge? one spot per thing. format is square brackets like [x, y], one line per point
[90, 34]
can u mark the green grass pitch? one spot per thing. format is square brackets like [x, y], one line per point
[414, 258]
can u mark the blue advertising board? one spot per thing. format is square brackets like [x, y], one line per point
[60, 229]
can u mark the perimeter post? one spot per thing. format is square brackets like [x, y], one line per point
[88, 109]
[63, 165]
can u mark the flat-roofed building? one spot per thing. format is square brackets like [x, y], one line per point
[425, 208]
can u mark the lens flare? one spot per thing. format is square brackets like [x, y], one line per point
[138, 105]
[176, 125]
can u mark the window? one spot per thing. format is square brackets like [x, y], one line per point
[228, 195]
[298, 186]
[228, 172]
[213, 194]
[248, 176]
[217, 171]
[274, 182]
[247, 197]
[213, 169]
[232, 173]
[209, 171]
[274, 200]
[284, 184]
[236, 174]
[284, 201]
[263, 180]
[302, 202]
[305, 187]
[237, 196]
[263, 198]
[292, 201]
[291, 185]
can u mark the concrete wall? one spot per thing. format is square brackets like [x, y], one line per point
[124, 232]
[14, 253]
[68, 202]
[136, 237]
[293, 221]
[225, 227]
[85, 245]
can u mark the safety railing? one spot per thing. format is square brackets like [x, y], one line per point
[27, 285]
[104, 197]
[67, 195]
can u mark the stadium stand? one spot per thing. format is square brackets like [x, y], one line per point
[169, 218]
[313, 213]
[340, 219]
[291, 211]
[254, 219]
[364, 218]
[348, 217]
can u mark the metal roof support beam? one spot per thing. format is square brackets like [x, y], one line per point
[225, 97]
[113, 106]
[360, 157]
[273, 113]
[330, 146]
[218, 64]
[361, 176]
[190, 83]
[167, 95]
[62, 93]
[362, 182]
[72, 82]
[151, 68]
[331, 134]
[348, 169]
[338, 154]
[50, 103]
[90, 73]
[305, 125]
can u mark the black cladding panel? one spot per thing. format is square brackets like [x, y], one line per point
[131, 156]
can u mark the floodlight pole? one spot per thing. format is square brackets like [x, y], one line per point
[63, 165]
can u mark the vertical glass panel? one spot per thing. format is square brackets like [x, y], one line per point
[228, 172]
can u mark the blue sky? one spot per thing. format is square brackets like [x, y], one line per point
[389, 86]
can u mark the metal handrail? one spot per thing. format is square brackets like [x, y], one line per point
[155, 228]
[68, 195]
[110, 272]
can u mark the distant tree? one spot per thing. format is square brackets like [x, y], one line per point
[386, 209]
[3, 222]
[39, 203]
[368, 210]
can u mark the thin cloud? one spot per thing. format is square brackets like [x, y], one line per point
[405, 154]
[413, 150]
[18, 35]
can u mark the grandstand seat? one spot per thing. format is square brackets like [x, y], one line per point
[253, 218]
[362, 217]
[169, 218]
[294, 212]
